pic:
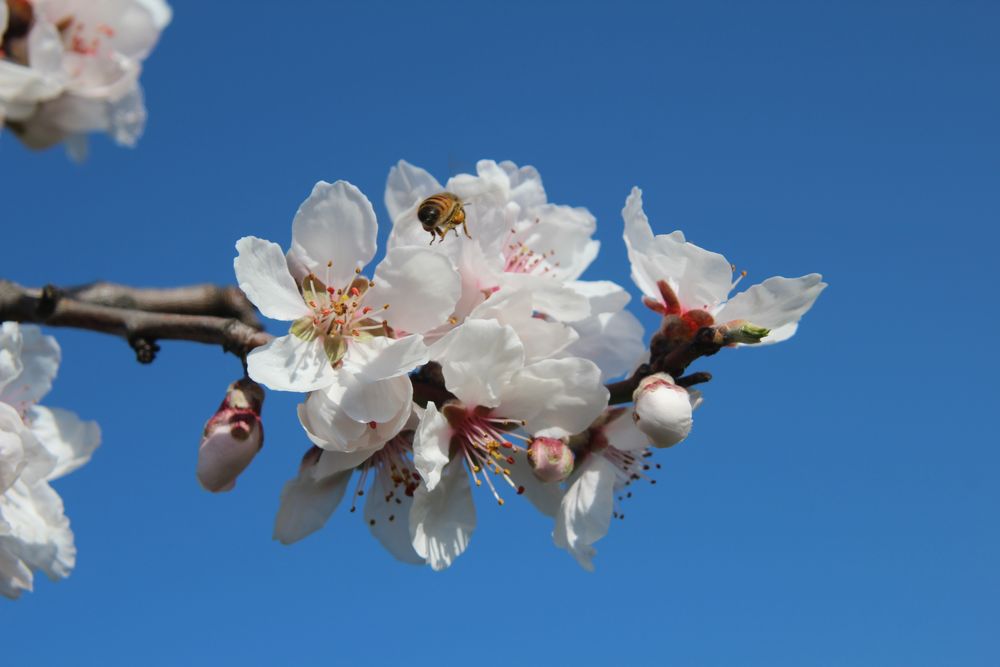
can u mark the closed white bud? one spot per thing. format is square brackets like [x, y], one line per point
[662, 410]
[550, 458]
[232, 437]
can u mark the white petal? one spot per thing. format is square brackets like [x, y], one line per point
[622, 433]
[335, 224]
[377, 401]
[525, 183]
[541, 338]
[306, 504]
[701, 279]
[68, 438]
[11, 365]
[775, 303]
[39, 530]
[555, 393]
[477, 359]
[430, 446]
[585, 512]
[604, 296]
[263, 276]
[442, 520]
[407, 186]
[289, 363]
[613, 341]
[28, 377]
[325, 422]
[549, 296]
[387, 514]
[420, 285]
[379, 357]
[12, 454]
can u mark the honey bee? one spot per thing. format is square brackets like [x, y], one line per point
[441, 213]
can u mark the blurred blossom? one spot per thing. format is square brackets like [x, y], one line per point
[37, 445]
[70, 67]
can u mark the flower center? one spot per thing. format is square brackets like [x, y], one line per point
[481, 439]
[339, 314]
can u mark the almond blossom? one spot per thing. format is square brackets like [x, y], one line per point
[496, 392]
[70, 67]
[37, 446]
[519, 240]
[353, 337]
[690, 286]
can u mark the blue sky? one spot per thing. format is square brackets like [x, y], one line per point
[836, 502]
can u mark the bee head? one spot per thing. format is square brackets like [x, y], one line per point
[428, 215]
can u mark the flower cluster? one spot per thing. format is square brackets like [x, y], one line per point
[480, 361]
[69, 67]
[37, 445]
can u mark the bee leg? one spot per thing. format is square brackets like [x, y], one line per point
[465, 229]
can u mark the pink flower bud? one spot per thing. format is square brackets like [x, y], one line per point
[550, 458]
[232, 437]
[662, 410]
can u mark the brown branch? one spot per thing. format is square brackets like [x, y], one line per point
[141, 329]
[206, 299]
[706, 342]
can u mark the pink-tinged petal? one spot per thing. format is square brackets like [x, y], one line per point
[379, 400]
[379, 357]
[289, 363]
[442, 520]
[777, 304]
[307, 503]
[477, 359]
[420, 285]
[406, 187]
[335, 224]
[585, 512]
[563, 234]
[388, 519]
[69, 439]
[263, 276]
[431, 442]
[613, 341]
[564, 394]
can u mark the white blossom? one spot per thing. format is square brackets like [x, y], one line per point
[70, 67]
[692, 285]
[308, 501]
[37, 445]
[484, 366]
[351, 337]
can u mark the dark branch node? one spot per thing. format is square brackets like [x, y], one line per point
[145, 350]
